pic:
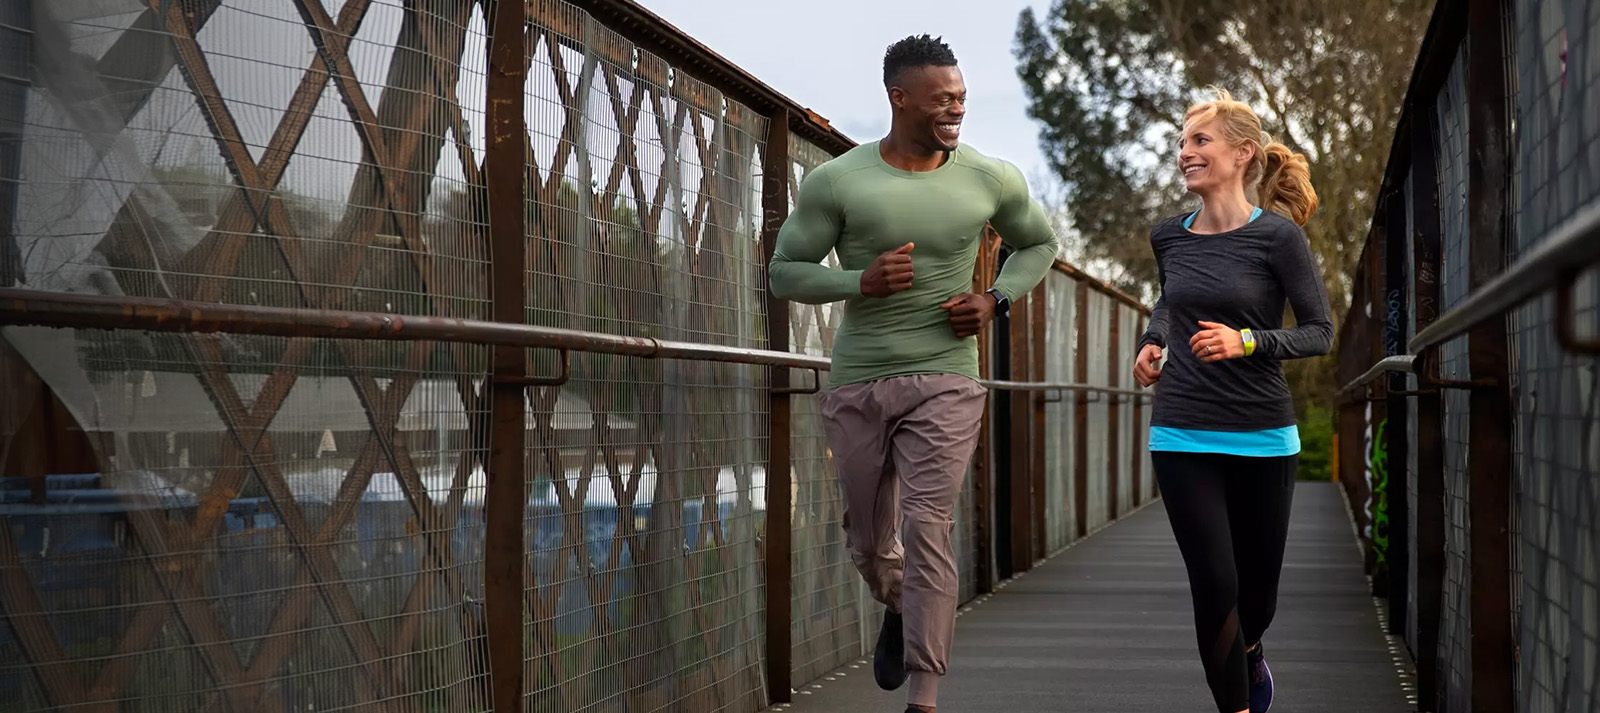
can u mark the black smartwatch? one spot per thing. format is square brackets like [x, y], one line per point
[1001, 304]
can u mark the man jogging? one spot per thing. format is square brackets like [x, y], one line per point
[906, 216]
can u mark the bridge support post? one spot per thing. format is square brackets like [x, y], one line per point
[1376, 415]
[1036, 352]
[777, 540]
[1396, 503]
[1080, 415]
[506, 493]
[1489, 431]
[1114, 416]
[1429, 545]
[1020, 473]
[983, 457]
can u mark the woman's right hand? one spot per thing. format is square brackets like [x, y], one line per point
[1145, 369]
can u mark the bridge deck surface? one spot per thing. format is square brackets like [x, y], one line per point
[1106, 626]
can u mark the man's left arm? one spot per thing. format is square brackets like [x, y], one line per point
[1023, 226]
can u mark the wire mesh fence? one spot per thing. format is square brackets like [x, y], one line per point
[833, 613]
[1061, 365]
[1543, 162]
[1557, 164]
[202, 521]
[1454, 286]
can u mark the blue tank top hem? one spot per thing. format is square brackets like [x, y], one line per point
[1270, 443]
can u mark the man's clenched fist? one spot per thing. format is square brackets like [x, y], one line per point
[969, 312]
[889, 273]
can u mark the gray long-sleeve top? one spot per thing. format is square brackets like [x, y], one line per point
[1240, 278]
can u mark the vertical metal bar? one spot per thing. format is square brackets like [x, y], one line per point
[13, 114]
[1349, 342]
[774, 210]
[1041, 535]
[1002, 454]
[1080, 420]
[506, 492]
[1137, 447]
[1376, 412]
[1425, 240]
[1022, 555]
[1489, 429]
[1113, 417]
[1397, 294]
[983, 473]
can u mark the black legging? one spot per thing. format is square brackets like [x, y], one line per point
[1230, 515]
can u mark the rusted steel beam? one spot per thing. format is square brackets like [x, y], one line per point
[505, 495]
[1397, 296]
[1080, 420]
[196, 71]
[1020, 474]
[395, 164]
[197, 74]
[152, 616]
[1136, 449]
[1490, 428]
[777, 541]
[319, 562]
[1114, 418]
[983, 489]
[1036, 445]
[58, 676]
[49, 309]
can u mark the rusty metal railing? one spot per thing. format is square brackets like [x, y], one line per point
[1552, 266]
[392, 351]
[1468, 409]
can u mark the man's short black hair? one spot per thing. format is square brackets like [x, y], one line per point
[913, 52]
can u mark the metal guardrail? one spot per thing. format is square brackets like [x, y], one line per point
[1065, 386]
[49, 309]
[1401, 363]
[596, 64]
[1556, 262]
[22, 307]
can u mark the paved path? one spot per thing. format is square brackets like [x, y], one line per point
[1106, 626]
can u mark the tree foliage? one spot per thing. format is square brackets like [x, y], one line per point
[1109, 80]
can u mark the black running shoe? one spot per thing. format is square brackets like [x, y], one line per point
[1260, 681]
[889, 659]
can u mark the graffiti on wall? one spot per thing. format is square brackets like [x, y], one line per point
[1378, 502]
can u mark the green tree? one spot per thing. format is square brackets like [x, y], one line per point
[1109, 80]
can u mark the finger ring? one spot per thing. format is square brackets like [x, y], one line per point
[1208, 348]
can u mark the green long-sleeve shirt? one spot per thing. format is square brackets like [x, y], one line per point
[861, 207]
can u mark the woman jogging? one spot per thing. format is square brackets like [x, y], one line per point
[1223, 437]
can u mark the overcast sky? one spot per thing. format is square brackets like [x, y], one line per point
[827, 55]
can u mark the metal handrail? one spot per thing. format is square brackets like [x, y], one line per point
[21, 307]
[1064, 386]
[1572, 247]
[1403, 363]
[52, 309]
